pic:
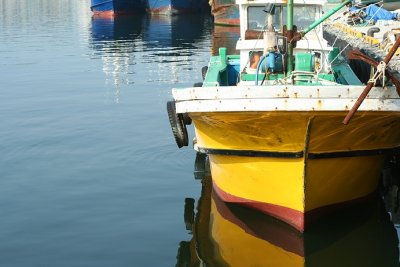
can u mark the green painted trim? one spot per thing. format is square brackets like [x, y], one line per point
[345, 75]
[275, 76]
[212, 75]
[252, 77]
[327, 77]
[217, 74]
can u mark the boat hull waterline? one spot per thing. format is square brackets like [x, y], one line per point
[174, 7]
[110, 8]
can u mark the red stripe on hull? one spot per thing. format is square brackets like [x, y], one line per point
[279, 234]
[169, 11]
[293, 217]
[104, 14]
[111, 13]
[297, 219]
[227, 22]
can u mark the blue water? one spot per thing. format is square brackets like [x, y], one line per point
[89, 171]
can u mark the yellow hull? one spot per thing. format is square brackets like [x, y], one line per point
[289, 164]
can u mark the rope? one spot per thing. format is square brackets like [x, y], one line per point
[325, 59]
[344, 37]
[339, 53]
[380, 73]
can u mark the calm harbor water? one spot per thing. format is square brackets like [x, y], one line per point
[89, 172]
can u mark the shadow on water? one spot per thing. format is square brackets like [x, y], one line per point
[229, 235]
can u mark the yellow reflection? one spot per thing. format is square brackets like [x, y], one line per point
[230, 235]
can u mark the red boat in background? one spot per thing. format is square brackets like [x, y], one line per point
[225, 12]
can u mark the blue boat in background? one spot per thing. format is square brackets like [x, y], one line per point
[113, 7]
[173, 7]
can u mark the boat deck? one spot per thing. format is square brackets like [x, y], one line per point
[348, 37]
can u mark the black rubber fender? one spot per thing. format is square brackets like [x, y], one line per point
[177, 125]
[186, 119]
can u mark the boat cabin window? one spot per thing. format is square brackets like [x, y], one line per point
[304, 16]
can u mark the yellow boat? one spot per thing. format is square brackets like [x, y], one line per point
[229, 235]
[272, 118]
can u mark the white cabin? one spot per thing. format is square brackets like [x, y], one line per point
[253, 19]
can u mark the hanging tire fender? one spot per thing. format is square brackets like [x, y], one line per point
[177, 125]
[186, 119]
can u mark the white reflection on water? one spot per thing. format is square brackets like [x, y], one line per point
[85, 181]
[153, 50]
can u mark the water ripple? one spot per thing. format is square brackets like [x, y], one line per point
[88, 161]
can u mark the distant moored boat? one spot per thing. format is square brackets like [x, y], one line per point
[173, 7]
[111, 7]
[225, 12]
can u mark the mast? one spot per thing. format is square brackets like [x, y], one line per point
[289, 26]
[292, 36]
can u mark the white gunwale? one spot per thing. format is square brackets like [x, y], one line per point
[283, 98]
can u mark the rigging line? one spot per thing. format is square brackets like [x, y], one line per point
[334, 42]
[155, 3]
[380, 7]
[319, 41]
[333, 60]
[330, 22]
[253, 50]
[368, 22]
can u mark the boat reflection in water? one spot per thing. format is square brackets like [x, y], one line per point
[172, 42]
[179, 32]
[131, 45]
[116, 28]
[230, 235]
[115, 40]
[225, 36]
[170, 32]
